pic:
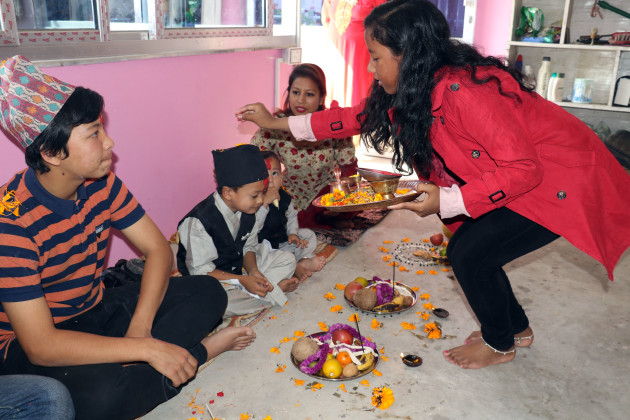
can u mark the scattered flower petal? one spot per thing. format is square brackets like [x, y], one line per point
[267, 418]
[419, 272]
[340, 286]
[330, 296]
[342, 387]
[322, 326]
[220, 394]
[408, 326]
[433, 272]
[336, 308]
[405, 240]
[281, 368]
[245, 416]
[425, 240]
[382, 398]
[376, 325]
[275, 350]
[299, 381]
[376, 372]
[403, 268]
[429, 306]
[415, 288]
[388, 242]
[425, 315]
[425, 296]
[353, 318]
[446, 270]
[298, 333]
[385, 358]
[386, 258]
[273, 317]
[382, 350]
[364, 382]
[383, 249]
[285, 340]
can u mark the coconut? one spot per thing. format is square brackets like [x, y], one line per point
[303, 348]
[365, 298]
[350, 370]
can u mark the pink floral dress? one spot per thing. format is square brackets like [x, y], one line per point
[309, 166]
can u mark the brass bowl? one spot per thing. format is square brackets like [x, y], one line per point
[376, 175]
[385, 188]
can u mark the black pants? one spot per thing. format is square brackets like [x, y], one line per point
[192, 307]
[478, 251]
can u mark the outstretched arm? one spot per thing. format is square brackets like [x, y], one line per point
[260, 115]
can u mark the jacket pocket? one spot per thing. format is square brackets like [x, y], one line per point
[568, 156]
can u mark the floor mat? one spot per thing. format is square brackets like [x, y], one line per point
[344, 237]
[237, 321]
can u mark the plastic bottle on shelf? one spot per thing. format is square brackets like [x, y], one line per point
[556, 87]
[544, 74]
[530, 76]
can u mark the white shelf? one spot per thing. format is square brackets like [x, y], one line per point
[602, 63]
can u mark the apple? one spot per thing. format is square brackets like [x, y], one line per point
[351, 287]
[437, 239]
[342, 336]
[362, 281]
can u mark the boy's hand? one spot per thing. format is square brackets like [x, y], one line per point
[270, 196]
[299, 242]
[172, 361]
[256, 283]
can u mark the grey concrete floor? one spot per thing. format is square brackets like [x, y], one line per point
[577, 368]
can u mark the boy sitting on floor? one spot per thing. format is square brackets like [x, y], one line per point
[279, 223]
[218, 237]
[120, 351]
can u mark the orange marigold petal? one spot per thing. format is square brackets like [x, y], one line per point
[433, 272]
[342, 387]
[299, 381]
[322, 326]
[419, 272]
[336, 308]
[354, 317]
[376, 372]
[365, 382]
[408, 326]
[275, 350]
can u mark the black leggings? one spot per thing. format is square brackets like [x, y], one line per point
[192, 307]
[478, 251]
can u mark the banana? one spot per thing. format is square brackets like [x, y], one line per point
[368, 360]
[398, 300]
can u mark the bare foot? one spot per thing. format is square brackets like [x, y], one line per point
[301, 273]
[313, 264]
[230, 338]
[476, 355]
[523, 339]
[289, 285]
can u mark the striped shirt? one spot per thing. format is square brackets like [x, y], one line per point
[56, 248]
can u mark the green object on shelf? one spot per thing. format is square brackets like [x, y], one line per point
[607, 6]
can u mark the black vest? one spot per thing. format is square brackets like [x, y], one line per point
[275, 228]
[230, 250]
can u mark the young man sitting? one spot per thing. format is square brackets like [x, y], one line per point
[119, 351]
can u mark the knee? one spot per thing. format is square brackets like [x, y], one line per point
[209, 290]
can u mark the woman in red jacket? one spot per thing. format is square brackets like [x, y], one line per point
[510, 171]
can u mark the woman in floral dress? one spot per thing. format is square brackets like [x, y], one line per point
[309, 166]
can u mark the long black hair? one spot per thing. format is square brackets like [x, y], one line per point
[418, 33]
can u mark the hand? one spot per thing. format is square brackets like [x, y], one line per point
[299, 242]
[430, 204]
[256, 283]
[258, 114]
[270, 196]
[172, 361]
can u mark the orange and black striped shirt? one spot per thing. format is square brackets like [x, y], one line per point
[56, 248]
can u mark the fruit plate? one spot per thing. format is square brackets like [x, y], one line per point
[401, 288]
[319, 375]
[399, 198]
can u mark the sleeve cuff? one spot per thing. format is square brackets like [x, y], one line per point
[451, 202]
[300, 126]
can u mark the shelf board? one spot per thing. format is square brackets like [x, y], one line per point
[570, 46]
[597, 107]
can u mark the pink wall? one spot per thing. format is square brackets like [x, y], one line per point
[492, 28]
[165, 116]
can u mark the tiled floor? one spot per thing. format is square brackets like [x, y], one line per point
[578, 367]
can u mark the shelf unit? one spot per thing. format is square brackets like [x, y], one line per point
[602, 63]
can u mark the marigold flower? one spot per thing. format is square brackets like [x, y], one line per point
[382, 397]
[433, 330]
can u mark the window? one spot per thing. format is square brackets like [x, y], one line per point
[79, 30]
[459, 15]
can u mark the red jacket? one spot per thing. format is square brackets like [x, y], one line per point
[534, 158]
